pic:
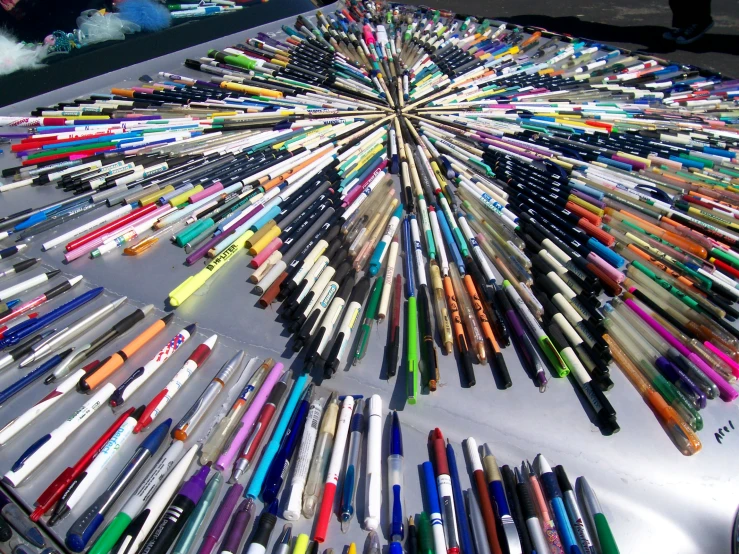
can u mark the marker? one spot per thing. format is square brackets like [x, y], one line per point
[199, 514]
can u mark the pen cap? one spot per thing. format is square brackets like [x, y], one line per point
[201, 353]
[266, 524]
[492, 471]
[439, 447]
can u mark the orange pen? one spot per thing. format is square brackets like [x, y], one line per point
[97, 376]
[458, 329]
[272, 183]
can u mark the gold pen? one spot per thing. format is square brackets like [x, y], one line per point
[442, 314]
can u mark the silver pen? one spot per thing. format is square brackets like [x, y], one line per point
[69, 333]
[478, 523]
[196, 412]
[282, 546]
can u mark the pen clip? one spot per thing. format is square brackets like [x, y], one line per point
[116, 399]
[30, 451]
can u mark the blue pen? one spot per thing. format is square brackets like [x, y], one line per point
[32, 375]
[351, 477]
[270, 451]
[410, 286]
[11, 250]
[432, 498]
[89, 522]
[463, 523]
[554, 495]
[500, 504]
[446, 232]
[14, 337]
[395, 481]
[281, 464]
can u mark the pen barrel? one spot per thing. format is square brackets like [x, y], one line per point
[172, 521]
[260, 539]
[317, 472]
[236, 530]
[87, 524]
[302, 465]
[112, 533]
[220, 519]
[396, 500]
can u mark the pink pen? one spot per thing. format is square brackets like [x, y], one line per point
[727, 359]
[233, 447]
[726, 391]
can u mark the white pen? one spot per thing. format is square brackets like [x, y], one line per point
[374, 464]
[420, 263]
[110, 216]
[96, 468]
[388, 283]
[23, 286]
[305, 454]
[43, 448]
[69, 333]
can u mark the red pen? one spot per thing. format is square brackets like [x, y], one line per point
[113, 225]
[78, 154]
[54, 491]
[446, 494]
[157, 404]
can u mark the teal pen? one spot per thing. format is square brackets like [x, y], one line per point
[456, 231]
[378, 255]
[199, 515]
[270, 451]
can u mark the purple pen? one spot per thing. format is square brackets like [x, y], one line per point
[238, 527]
[525, 346]
[220, 519]
[171, 522]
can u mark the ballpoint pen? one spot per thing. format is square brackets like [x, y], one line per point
[161, 399]
[237, 527]
[351, 476]
[477, 523]
[334, 468]
[343, 334]
[226, 427]
[321, 456]
[41, 449]
[534, 527]
[302, 465]
[150, 509]
[388, 281]
[485, 502]
[429, 357]
[25, 347]
[597, 518]
[373, 467]
[84, 352]
[218, 523]
[370, 314]
[82, 483]
[207, 501]
[393, 344]
[39, 300]
[254, 423]
[142, 374]
[542, 509]
[372, 545]
[82, 530]
[282, 546]
[443, 320]
[16, 387]
[509, 484]
[524, 345]
[16, 334]
[175, 516]
[497, 492]
[434, 516]
[396, 499]
[69, 333]
[280, 466]
[573, 511]
[14, 290]
[20, 266]
[456, 319]
[192, 417]
[413, 539]
[263, 530]
[465, 538]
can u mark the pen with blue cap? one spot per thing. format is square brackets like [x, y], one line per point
[465, 538]
[280, 467]
[92, 518]
[9, 392]
[434, 511]
[351, 475]
[554, 495]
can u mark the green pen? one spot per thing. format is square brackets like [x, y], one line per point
[595, 514]
[200, 513]
[542, 339]
[666, 285]
[412, 335]
[191, 231]
[370, 315]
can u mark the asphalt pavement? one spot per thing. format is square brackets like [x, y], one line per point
[633, 24]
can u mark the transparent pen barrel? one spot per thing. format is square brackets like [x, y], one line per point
[222, 432]
[318, 465]
[396, 503]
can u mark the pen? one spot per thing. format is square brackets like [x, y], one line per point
[305, 454]
[41, 449]
[218, 523]
[14, 290]
[351, 477]
[462, 521]
[373, 468]
[81, 483]
[207, 501]
[443, 320]
[69, 333]
[279, 469]
[161, 399]
[254, 424]
[334, 467]
[353, 308]
[90, 381]
[432, 498]
[413, 542]
[456, 318]
[192, 417]
[20, 523]
[388, 281]
[227, 426]
[138, 529]
[573, 511]
[321, 456]
[237, 528]
[497, 492]
[82, 530]
[283, 541]
[393, 344]
[370, 314]
[446, 493]
[13, 389]
[41, 299]
[138, 377]
[267, 521]
[485, 502]
[542, 509]
[412, 351]
[595, 514]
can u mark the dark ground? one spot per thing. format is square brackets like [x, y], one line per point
[632, 24]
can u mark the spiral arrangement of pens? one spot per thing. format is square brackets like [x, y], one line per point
[522, 175]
